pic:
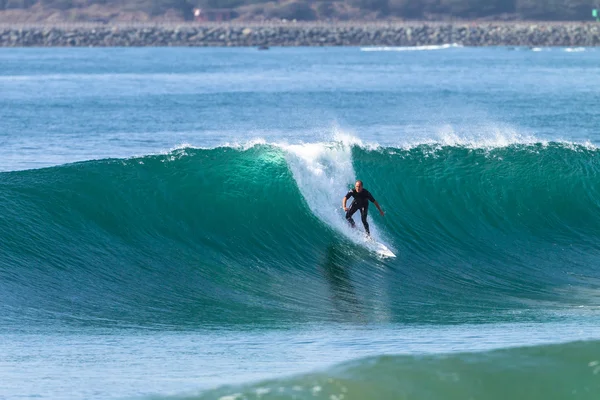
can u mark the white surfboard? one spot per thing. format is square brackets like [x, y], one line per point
[379, 248]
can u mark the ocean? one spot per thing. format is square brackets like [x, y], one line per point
[171, 223]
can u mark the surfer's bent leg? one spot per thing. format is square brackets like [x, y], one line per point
[349, 213]
[363, 217]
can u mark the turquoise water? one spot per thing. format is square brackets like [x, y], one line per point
[170, 223]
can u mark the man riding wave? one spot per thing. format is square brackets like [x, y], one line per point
[361, 202]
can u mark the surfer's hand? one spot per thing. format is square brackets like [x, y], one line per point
[381, 212]
[345, 208]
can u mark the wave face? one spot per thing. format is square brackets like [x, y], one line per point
[543, 372]
[256, 235]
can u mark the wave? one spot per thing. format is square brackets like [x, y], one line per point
[256, 235]
[565, 49]
[542, 372]
[411, 48]
[575, 49]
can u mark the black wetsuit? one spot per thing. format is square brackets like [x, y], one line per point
[361, 202]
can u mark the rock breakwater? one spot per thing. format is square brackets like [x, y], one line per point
[303, 34]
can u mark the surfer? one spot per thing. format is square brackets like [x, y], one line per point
[361, 202]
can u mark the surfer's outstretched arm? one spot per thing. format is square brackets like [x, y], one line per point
[379, 208]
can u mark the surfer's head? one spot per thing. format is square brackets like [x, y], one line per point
[358, 186]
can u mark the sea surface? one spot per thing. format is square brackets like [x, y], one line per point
[170, 223]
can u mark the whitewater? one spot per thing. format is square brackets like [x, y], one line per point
[174, 230]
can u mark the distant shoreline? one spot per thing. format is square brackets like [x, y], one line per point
[236, 34]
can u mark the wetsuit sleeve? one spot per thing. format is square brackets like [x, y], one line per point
[370, 197]
[349, 194]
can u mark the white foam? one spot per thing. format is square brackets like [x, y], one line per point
[574, 49]
[332, 159]
[412, 48]
[486, 137]
[246, 144]
[483, 135]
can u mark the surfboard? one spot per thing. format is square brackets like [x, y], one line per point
[379, 248]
